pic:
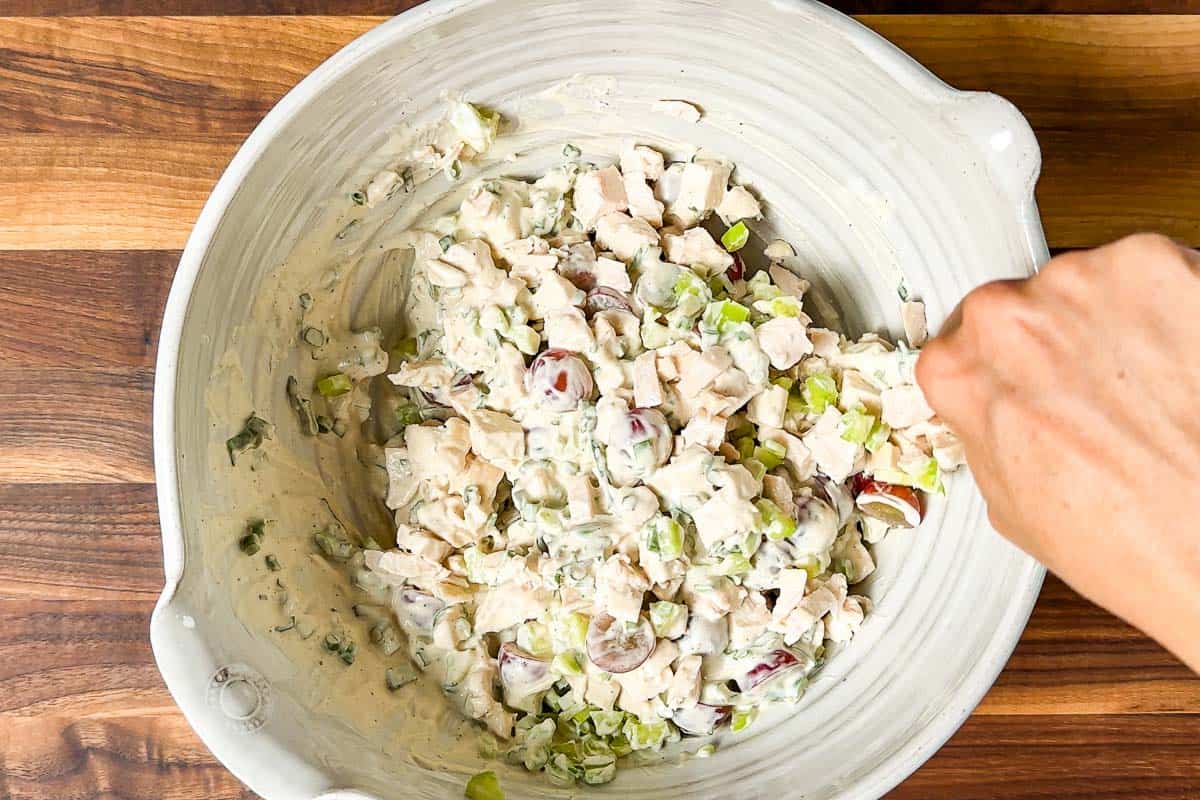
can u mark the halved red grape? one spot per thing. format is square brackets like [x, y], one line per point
[771, 665]
[618, 647]
[417, 608]
[898, 506]
[603, 298]
[737, 269]
[518, 668]
[559, 379]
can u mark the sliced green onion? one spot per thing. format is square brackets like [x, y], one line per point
[273, 563]
[358, 198]
[646, 736]
[571, 628]
[736, 237]
[334, 385]
[396, 679]
[407, 414]
[534, 638]
[857, 425]
[820, 392]
[664, 536]
[252, 435]
[571, 151]
[313, 336]
[484, 786]
[784, 382]
[761, 288]
[446, 242]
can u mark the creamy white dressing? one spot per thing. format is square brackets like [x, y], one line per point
[500, 600]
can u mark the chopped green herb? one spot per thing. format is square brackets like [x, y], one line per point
[332, 642]
[251, 437]
[306, 301]
[347, 652]
[334, 385]
[344, 232]
[324, 424]
[302, 406]
[285, 628]
[395, 679]
[571, 151]
[313, 336]
[454, 170]
[333, 546]
[273, 563]
[251, 540]
[446, 242]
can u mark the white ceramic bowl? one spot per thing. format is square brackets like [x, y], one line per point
[879, 173]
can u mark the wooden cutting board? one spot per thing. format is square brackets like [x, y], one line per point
[114, 129]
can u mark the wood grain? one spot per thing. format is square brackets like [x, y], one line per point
[125, 8]
[75, 425]
[148, 112]
[114, 131]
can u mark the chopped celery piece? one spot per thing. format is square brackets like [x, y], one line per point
[706, 751]
[607, 723]
[476, 126]
[524, 338]
[770, 453]
[784, 381]
[812, 565]
[796, 405]
[484, 786]
[736, 237]
[594, 776]
[782, 306]
[571, 629]
[878, 437]
[928, 478]
[667, 618]
[745, 447]
[820, 392]
[756, 467]
[646, 736]
[761, 288]
[742, 718]
[560, 771]
[664, 536]
[776, 524]
[723, 315]
[734, 564]
[534, 638]
[567, 663]
[857, 425]
[334, 385]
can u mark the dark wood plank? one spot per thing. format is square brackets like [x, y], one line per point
[1102, 757]
[388, 7]
[82, 308]
[75, 425]
[76, 542]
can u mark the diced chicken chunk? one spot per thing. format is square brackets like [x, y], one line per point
[642, 203]
[834, 456]
[738, 204]
[644, 160]
[598, 192]
[620, 587]
[647, 391]
[768, 407]
[701, 187]
[697, 249]
[497, 437]
[625, 236]
[904, 406]
[784, 340]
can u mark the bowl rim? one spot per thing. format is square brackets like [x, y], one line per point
[974, 684]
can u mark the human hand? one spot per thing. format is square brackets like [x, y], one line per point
[1077, 396]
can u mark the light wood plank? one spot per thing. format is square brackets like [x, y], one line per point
[75, 426]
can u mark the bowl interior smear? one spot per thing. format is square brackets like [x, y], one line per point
[573, 436]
